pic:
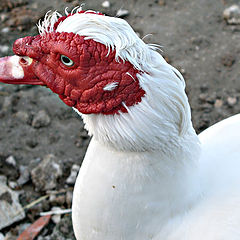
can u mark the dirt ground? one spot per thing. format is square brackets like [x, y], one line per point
[194, 37]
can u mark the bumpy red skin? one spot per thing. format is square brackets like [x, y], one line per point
[81, 85]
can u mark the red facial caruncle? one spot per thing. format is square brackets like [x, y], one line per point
[84, 73]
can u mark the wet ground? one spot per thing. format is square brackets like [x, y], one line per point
[34, 123]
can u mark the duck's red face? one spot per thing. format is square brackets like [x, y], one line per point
[82, 72]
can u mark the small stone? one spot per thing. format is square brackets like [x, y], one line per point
[24, 175]
[35, 5]
[106, 4]
[46, 173]
[4, 17]
[232, 14]
[231, 101]
[32, 143]
[57, 199]
[228, 60]
[7, 102]
[11, 161]
[4, 48]
[12, 185]
[204, 88]
[41, 119]
[3, 179]
[122, 13]
[161, 2]
[73, 175]
[218, 103]
[5, 30]
[203, 97]
[79, 143]
[182, 70]
[63, 230]
[22, 227]
[56, 218]
[2, 236]
[23, 116]
[11, 210]
[10, 236]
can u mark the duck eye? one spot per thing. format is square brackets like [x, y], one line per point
[66, 61]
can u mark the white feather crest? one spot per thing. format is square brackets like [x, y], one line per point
[114, 33]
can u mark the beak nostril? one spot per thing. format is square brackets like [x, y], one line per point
[25, 60]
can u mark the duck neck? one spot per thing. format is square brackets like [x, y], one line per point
[170, 164]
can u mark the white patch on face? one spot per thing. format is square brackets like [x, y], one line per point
[110, 86]
[17, 70]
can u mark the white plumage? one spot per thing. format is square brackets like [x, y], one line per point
[146, 174]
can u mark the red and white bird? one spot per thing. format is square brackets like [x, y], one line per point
[146, 174]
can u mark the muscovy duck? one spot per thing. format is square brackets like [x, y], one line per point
[146, 174]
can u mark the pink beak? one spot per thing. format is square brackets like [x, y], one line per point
[18, 70]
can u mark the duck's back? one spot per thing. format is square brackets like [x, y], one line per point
[220, 158]
[217, 215]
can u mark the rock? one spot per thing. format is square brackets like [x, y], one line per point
[4, 17]
[23, 116]
[204, 88]
[203, 97]
[57, 199]
[22, 227]
[41, 119]
[32, 142]
[46, 173]
[73, 175]
[24, 175]
[231, 101]
[106, 4]
[4, 48]
[10, 236]
[7, 103]
[161, 2]
[2, 236]
[228, 60]
[12, 185]
[11, 210]
[5, 30]
[11, 161]
[44, 238]
[56, 218]
[122, 13]
[63, 230]
[232, 14]
[10, 103]
[218, 103]
[206, 107]
[3, 179]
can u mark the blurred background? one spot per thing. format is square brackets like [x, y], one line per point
[43, 142]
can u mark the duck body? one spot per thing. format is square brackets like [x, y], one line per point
[128, 195]
[146, 173]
